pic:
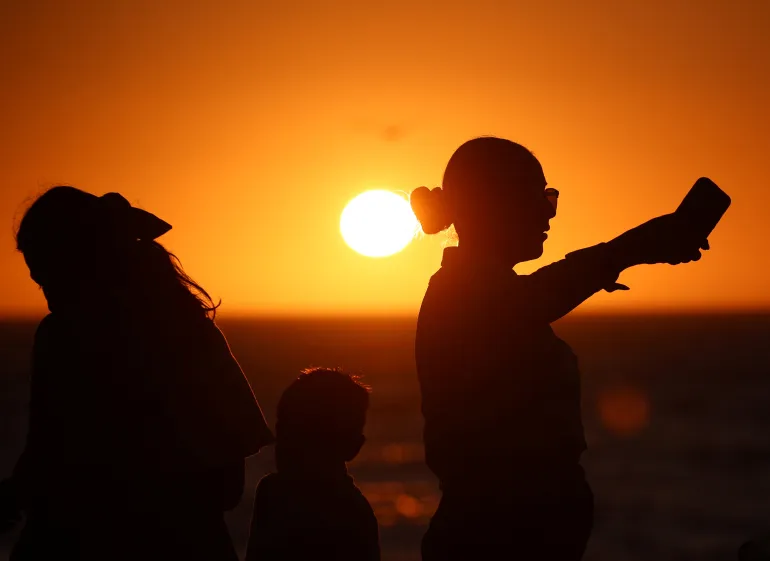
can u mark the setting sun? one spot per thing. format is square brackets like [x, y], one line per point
[378, 223]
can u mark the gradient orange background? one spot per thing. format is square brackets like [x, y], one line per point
[249, 126]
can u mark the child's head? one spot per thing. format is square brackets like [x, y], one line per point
[321, 414]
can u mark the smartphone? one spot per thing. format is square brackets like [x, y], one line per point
[703, 206]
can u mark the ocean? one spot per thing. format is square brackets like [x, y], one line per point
[676, 410]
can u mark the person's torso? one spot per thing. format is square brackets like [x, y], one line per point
[501, 392]
[105, 424]
[321, 519]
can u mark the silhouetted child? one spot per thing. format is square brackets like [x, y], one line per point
[311, 508]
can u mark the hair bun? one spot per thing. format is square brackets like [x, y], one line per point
[429, 206]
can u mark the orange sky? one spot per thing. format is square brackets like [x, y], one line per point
[249, 125]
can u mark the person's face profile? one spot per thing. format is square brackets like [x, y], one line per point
[58, 269]
[525, 210]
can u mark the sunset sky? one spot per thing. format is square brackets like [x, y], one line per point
[250, 125]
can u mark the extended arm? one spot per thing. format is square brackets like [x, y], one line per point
[555, 290]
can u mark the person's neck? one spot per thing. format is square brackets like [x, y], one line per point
[308, 466]
[313, 471]
[481, 253]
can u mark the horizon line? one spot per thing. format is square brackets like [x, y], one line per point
[603, 312]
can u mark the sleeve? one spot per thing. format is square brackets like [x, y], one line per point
[214, 408]
[555, 290]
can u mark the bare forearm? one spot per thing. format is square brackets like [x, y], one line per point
[559, 288]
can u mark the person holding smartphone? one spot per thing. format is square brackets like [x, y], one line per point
[500, 391]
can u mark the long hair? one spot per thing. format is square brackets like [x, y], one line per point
[168, 278]
[106, 240]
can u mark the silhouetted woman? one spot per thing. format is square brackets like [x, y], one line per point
[500, 391]
[140, 417]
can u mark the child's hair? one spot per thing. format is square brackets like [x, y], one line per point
[323, 408]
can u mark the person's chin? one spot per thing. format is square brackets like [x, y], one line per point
[535, 251]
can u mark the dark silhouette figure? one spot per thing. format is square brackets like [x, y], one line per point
[311, 508]
[500, 391]
[140, 417]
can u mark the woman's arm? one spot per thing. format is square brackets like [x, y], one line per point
[217, 417]
[555, 290]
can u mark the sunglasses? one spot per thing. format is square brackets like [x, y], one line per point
[552, 195]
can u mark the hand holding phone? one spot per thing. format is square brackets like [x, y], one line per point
[703, 207]
[677, 237]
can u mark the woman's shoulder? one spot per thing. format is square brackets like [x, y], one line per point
[212, 336]
[190, 331]
[46, 329]
[47, 344]
[46, 323]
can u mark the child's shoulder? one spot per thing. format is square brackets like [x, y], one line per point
[270, 493]
[360, 500]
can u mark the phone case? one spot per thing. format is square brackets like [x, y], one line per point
[704, 205]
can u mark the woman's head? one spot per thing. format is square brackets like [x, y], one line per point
[494, 193]
[81, 248]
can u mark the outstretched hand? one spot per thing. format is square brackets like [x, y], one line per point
[664, 239]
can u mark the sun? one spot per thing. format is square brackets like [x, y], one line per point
[378, 223]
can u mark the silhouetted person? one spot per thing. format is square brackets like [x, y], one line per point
[500, 391]
[140, 417]
[311, 508]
